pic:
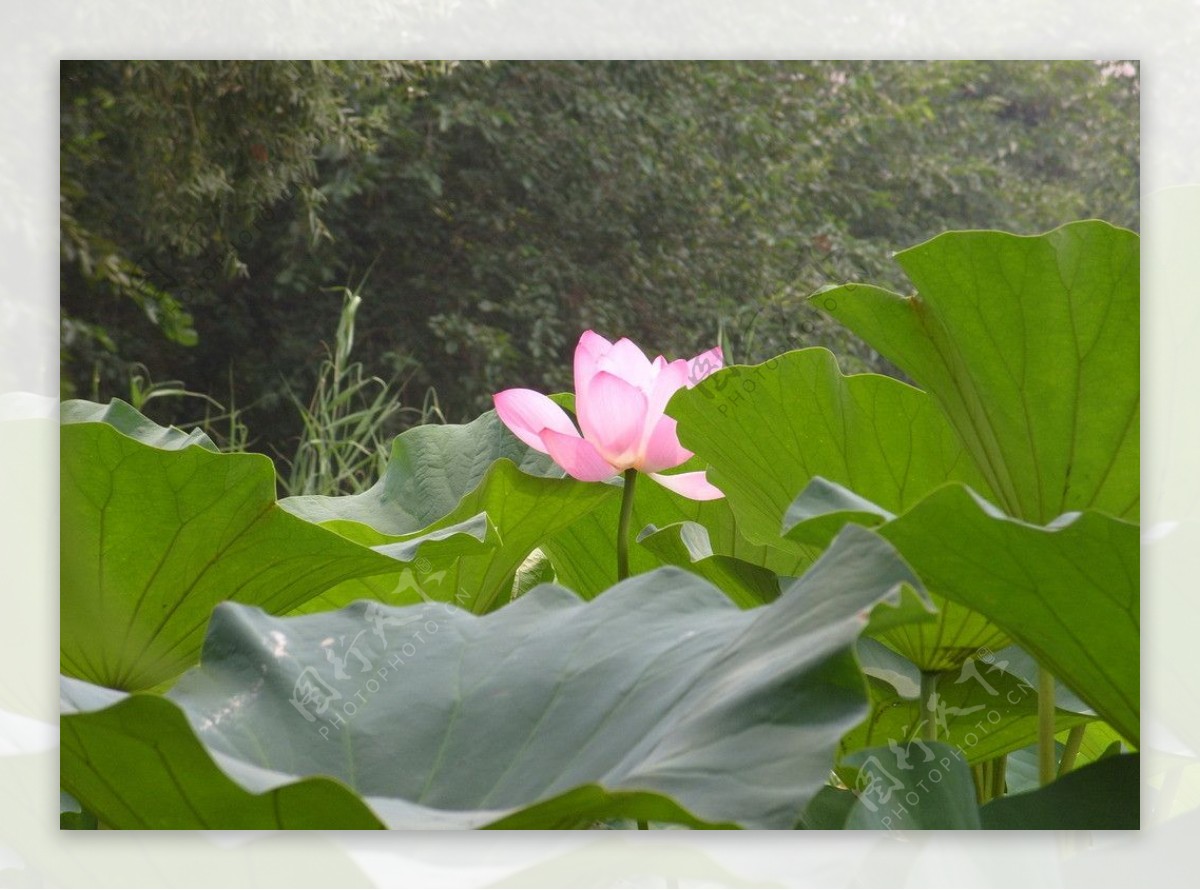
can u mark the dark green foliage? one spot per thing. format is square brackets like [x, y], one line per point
[497, 210]
[174, 178]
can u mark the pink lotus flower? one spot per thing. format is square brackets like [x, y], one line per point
[620, 396]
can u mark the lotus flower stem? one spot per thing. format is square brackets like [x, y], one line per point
[1046, 764]
[981, 783]
[928, 711]
[623, 525]
[1074, 740]
[999, 783]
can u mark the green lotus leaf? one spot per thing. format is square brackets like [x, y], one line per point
[657, 700]
[1104, 795]
[688, 545]
[767, 430]
[155, 533]
[438, 478]
[1067, 593]
[114, 746]
[785, 437]
[1030, 346]
[916, 786]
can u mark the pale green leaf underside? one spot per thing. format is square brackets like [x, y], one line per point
[658, 699]
[919, 786]
[125, 418]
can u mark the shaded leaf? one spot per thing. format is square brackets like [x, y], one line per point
[927, 786]
[982, 710]
[829, 810]
[1100, 796]
[687, 545]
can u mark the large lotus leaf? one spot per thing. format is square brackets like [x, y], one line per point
[154, 537]
[438, 478]
[659, 699]
[917, 786]
[1067, 593]
[1030, 345]
[767, 430]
